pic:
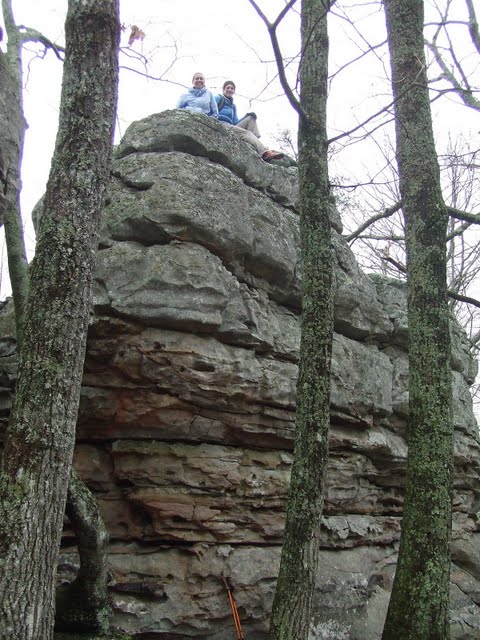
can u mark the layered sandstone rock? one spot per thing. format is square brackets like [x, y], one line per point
[188, 400]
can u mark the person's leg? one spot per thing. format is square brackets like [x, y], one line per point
[250, 124]
[251, 138]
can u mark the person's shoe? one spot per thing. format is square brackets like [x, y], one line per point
[268, 156]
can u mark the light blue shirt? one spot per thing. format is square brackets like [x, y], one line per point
[200, 101]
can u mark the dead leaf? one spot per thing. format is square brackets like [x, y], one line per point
[135, 34]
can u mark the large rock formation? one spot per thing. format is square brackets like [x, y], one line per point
[187, 411]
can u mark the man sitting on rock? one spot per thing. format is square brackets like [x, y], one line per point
[246, 128]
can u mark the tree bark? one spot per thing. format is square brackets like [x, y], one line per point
[84, 605]
[12, 137]
[41, 433]
[292, 604]
[419, 605]
[93, 607]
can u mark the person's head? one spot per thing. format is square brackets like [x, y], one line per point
[198, 80]
[228, 88]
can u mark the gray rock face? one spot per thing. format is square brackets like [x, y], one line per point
[187, 410]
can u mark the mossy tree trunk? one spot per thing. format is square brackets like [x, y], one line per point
[81, 505]
[41, 432]
[12, 137]
[419, 605]
[291, 612]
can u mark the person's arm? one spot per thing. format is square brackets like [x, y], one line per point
[235, 118]
[182, 103]
[213, 106]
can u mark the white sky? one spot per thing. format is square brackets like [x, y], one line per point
[224, 40]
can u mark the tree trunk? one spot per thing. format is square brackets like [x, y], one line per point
[84, 605]
[12, 136]
[292, 605]
[419, 606]
[79, 500]
[41, 433]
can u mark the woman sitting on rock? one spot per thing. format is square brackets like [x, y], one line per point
[199, 99]
[245, 128]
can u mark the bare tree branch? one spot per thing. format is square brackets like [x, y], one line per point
[271, 28]
[464, 91]
[382, 237]
[28, 34]
[473, 25]
[379, 216]
[451, 294]
[401, 267]
[459, 231]
[473, 218]
[149, 77]
[373, 47]
[475, 339]
[470, 218]
[461, 298]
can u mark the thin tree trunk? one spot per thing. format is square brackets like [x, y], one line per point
[84, 605]
[41, 433]
[12, 137]
[17, 263]
[292, 605]
[419, 605]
